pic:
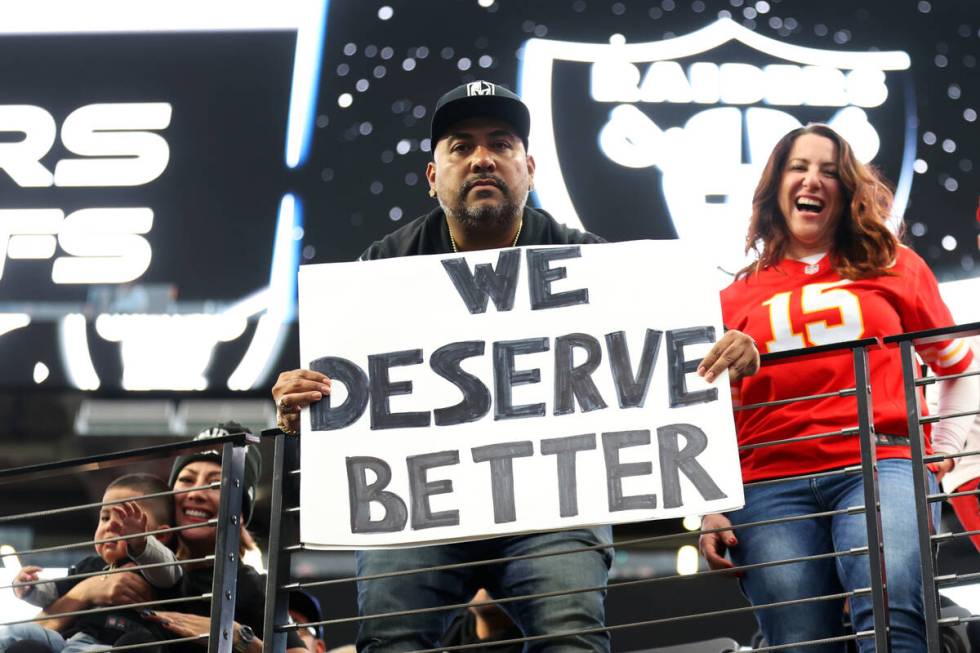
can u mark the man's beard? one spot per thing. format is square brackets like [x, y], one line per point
[484, 218]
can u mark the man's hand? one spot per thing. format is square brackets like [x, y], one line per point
[735, 352]
[27, 574]
[714, 545]
[130, 520]
[295, 390]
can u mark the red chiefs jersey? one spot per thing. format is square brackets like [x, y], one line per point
[794, 305]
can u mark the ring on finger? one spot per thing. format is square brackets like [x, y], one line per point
[283, 407]
[284, 427]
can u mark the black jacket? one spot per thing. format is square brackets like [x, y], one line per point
[429, 234]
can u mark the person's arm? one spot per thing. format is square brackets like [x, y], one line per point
[39, 595]
[113, 589]
[922, 307]
[192, 625]
[55, 622]
[955, 396]
[156, 553]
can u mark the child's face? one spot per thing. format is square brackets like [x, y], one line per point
[109, 526]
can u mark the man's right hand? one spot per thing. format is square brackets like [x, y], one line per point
[714, 545]
[295, 390]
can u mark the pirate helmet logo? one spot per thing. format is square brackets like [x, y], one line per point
[699, 114]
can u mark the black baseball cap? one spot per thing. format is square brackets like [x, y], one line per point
[476, 100]
[309, 607]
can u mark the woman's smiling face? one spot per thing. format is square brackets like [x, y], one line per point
[810, 195]
[198, 506]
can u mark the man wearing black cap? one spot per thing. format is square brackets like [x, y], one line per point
[304, 610]
[481, 175]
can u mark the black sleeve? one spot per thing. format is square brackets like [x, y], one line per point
[84, 566]
[589, 238]
[546, 230]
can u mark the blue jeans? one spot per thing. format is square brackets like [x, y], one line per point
[819, 619]
[551, 615]
[77, 643]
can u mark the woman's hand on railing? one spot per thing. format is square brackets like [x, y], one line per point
[735, 352]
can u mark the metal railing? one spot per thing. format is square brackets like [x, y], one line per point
[913, 403]
[284, 541]
[225, 558]
[285, 512]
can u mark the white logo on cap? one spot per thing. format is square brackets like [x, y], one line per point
[480, 88]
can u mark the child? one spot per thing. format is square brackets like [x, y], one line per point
[115, 520]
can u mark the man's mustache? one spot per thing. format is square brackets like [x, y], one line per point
[482, 179]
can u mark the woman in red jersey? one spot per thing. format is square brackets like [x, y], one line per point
[829, 270]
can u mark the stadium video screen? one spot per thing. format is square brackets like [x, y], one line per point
[143, 182]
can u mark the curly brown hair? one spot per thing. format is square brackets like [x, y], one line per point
[863, 246]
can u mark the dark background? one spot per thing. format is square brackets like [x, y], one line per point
[215, 205]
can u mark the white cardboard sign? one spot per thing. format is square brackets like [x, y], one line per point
[504, 391]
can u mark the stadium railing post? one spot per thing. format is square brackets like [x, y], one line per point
[872, 503]
[277, 599]
[226, 556]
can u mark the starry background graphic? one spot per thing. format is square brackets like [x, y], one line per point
[385, 64]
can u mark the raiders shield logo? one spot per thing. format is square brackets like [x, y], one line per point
[668, 139]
